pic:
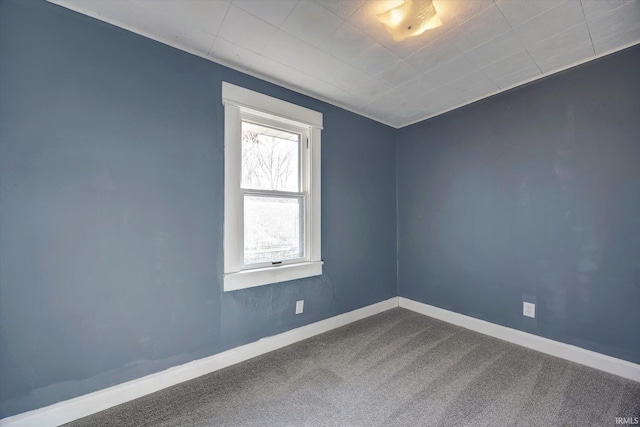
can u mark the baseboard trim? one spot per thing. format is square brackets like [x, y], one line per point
[612, 365]
[82, 406]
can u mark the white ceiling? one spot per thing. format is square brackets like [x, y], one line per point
[337, 51]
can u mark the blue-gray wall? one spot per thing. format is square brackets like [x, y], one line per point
[532, 194]
[111, 205]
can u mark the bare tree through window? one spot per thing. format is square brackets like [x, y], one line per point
[269, 162]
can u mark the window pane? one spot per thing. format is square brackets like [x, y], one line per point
[269, 158]
[272, 229]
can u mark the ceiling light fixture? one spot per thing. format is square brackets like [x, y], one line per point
[411, 18]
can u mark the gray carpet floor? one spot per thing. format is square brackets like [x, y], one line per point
[397, 368]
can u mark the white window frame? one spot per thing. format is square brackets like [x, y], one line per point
[240, 103]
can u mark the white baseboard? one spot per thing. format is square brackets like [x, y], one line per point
[82, 406]
[579, 355]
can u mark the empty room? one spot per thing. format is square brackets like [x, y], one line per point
[319, 213]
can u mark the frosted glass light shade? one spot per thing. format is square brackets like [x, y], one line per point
[411, 18]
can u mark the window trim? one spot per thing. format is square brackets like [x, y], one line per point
[237, 102]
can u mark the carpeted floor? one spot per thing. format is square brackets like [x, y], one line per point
[397, 368]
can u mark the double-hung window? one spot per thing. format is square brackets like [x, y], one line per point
[272, 190]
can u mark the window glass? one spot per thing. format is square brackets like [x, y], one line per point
[270, 158]
[272, 228]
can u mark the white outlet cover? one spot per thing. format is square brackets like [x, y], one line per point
[529, 309]
[299, 306]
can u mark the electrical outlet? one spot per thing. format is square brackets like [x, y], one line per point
[529, 309]
[299, 306]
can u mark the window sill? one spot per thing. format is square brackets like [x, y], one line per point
[265, 276]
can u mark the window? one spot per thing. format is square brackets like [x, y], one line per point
[271, 190]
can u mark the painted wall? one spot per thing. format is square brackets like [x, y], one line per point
[111, 208]
[532, 194]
